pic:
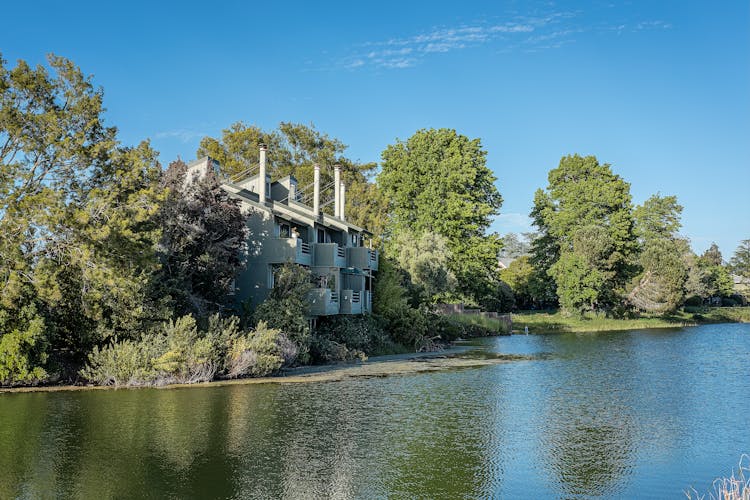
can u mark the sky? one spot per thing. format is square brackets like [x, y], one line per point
[658, 90]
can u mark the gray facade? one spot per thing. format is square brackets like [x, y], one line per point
[282, 229]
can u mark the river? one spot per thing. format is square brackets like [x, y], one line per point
[637, 414]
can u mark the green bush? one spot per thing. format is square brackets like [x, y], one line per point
[359, 333]
[287, 307]
[22, 348]
[259, 353]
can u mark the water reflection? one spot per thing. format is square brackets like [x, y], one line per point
[604, 415]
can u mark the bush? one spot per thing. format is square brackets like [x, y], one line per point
[287, 307]
[127, 363]
[694, 301]
[361, 333]
[259, 353]
[178, 352]
[22, 348]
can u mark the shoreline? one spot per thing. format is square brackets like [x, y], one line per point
[540, 323]
[376, 367]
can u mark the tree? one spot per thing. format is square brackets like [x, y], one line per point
[740, 262]
[519, 277]
[77, 215]
[712, 256]
[204, 233]
[293, 149]
[425, 258]
[437, 181]
[513, 246]
[658, 217]
[660, 285]
[587, 241]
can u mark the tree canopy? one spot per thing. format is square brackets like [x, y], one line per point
[437, 181]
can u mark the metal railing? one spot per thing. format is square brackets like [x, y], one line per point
[305, 247]
[334, 296]
[248, 172]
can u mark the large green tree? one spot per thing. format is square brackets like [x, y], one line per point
[586, 243]
[77, 217]
[660, 285]
[437, 181]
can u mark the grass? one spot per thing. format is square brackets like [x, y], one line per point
[734, 487]
[553, 321]
[492, 325]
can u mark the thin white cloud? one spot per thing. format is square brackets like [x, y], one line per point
[524, 33]
[183, 135]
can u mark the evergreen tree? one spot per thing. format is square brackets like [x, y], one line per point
[587, 241]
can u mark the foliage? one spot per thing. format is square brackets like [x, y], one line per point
[260, 353]
[515, 246]
[740, 262]
[342, 338]
[287, 307]
[179, 352]
[519, 277]
[437, 182]
[712, 256]
[660, 288]
[586, 241]
[204, 233]
[293, 149]
[664, 257]
[426, 259]
[22, 348]
[77, 211]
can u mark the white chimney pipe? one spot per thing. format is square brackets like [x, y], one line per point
[337, 190]
[262, 174]
[343, 201]
[316, 190]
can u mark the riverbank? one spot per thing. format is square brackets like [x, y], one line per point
[556, 322]
[456, 357]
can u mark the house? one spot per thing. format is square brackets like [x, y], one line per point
[286, 224]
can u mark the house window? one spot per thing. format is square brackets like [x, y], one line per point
[321, 236]
[355, 240]
[285, 230]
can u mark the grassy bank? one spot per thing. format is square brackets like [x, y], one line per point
[552, 321]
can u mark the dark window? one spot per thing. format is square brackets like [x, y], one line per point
[321, 236]
[285, 231]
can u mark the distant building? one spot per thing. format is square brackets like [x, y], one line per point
[284, 228]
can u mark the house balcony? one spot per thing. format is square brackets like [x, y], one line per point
[328, 255]
[281, 250]
[351, 302]
[324, 302]
[363, 258]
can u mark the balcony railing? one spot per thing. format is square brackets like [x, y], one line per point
[362, 258]
[323, 302]
[281, 250]
[351, 302]
[328, 255]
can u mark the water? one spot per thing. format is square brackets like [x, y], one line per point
[642, 414]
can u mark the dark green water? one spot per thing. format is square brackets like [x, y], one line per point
[641, 414]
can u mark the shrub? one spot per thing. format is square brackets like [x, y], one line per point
[359, 333]
[127, 363]
[259, 353]
[287, 307]
[22, 348]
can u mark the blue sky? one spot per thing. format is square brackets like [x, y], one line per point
[660, 90]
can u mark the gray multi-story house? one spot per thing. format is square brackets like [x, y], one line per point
[284, 228]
